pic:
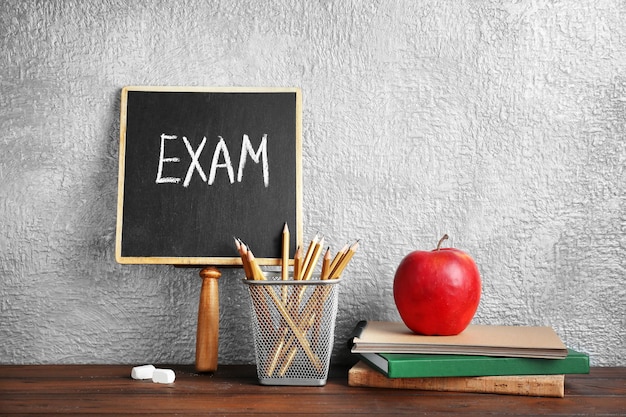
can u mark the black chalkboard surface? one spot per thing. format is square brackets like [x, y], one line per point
[200, 166]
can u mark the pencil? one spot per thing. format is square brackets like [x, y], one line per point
[326, 264]
[297, 263]
[337, 258]
[257, 272]
[336, 273]
[310, 266]
[285, 254]
[308, 255]
[244, 257]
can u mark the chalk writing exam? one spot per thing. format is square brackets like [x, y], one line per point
[221, 159]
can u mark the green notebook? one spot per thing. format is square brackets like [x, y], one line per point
[413, 365]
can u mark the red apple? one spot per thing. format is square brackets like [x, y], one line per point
[437, 292]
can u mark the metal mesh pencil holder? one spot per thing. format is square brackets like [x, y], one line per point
[293, 324]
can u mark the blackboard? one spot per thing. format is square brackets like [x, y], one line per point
[200, 166]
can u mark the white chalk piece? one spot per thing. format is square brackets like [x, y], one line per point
[142, 372]
[163, 376]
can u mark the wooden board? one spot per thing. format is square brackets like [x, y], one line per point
[361, 375]
[199, 166]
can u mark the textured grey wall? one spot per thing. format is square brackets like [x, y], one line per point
[500, 123]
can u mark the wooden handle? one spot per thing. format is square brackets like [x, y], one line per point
[207, 335]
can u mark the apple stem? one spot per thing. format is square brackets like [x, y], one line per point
[441, 241]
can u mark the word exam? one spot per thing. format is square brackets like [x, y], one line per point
[221, 159]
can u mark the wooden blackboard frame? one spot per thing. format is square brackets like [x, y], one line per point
[203, 260]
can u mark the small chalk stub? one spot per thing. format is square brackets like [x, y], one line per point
[142, 372]
[163, 376]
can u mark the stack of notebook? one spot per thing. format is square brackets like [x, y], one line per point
[519, 360]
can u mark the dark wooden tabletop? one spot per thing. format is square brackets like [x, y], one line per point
[234, 390]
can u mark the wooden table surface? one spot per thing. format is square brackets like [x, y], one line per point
[234, 390]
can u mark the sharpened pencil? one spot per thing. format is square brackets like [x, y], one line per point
[345, 259]
[310, 266]
[297, 263]
[308, 254]
[244, 257]
[326, 264]
[337, 258]
[257, 272]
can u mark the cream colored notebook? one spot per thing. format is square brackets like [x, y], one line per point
[487, 340]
